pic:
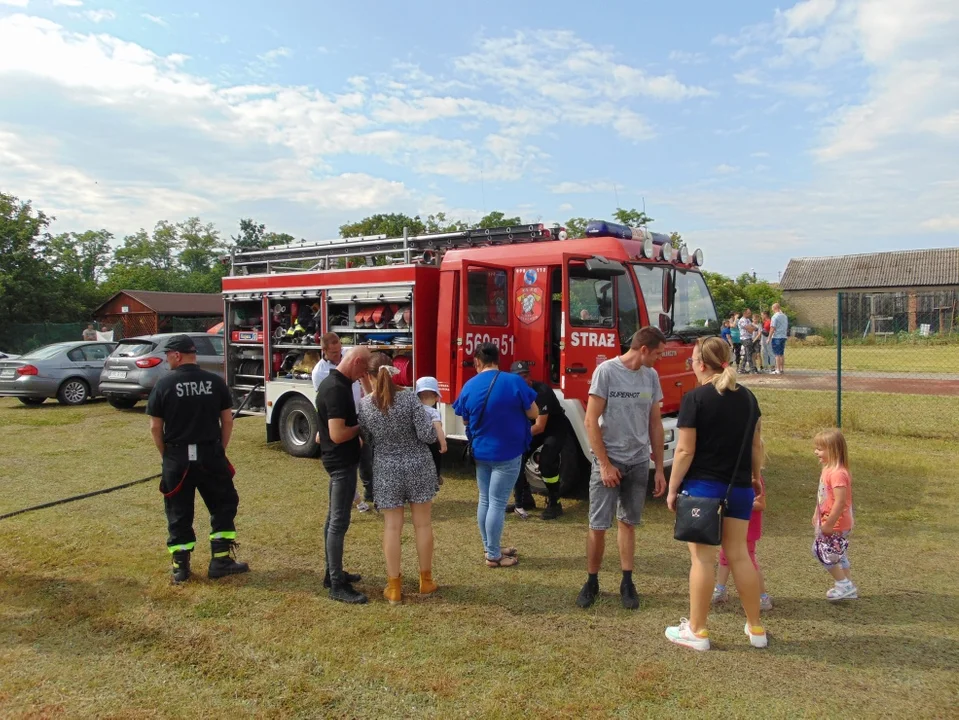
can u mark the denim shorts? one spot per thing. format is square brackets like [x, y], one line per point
[741, 499]
[779, 346]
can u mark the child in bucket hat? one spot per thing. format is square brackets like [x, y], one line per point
[428, 391]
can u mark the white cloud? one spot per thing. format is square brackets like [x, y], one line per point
[725, 169]
[15, 3]
[808, 15]
[68, 3]
[946, 223]
[271, 56]
[98, 16]
[687, 58]
[565, 207]
[154, 19]
[580, 188]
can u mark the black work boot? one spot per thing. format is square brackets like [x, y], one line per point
[587, 596]
[181, 566]
[223, 563]
[628, 594]
[344, 592]
[553, 507]
[350, 578]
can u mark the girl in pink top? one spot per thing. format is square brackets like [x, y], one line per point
[833, 518]
[753, 533]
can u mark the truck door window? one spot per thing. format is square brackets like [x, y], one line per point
[694, 307]
[651, 284]
[628, 312]
[590, 299]
[486, 297]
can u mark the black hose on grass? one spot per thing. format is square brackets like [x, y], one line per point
[54, 503]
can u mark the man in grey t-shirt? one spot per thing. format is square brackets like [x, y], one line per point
[623, 421]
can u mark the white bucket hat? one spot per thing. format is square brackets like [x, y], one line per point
[427, 383]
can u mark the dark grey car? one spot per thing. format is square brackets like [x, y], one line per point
[68, 371]
[136, 364]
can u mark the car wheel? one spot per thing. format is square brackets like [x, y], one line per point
[73, 392]
[31, 401]
[298, 428]
[122, 403]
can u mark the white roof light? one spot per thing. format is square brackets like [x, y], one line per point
[698, 257]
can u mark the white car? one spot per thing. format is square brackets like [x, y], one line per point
[7, 356]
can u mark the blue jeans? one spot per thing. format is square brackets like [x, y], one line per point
[495, 481]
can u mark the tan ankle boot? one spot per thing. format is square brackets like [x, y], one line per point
[427, 585]
[394, 590]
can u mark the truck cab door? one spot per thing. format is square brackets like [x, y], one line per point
[590, 334]
[485, 315]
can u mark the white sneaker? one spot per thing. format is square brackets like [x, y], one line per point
[765, 602]
[842, 591]
[521, 512]
[756, 640]
[720, 595]
[683, 635]
[363, 506]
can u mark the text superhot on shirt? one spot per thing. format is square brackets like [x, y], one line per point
[629, 396]
[190, 400]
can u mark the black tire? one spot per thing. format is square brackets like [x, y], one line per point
[122, 403]
[298, 427]
[32, 401]
[73, 391]
[573, 469]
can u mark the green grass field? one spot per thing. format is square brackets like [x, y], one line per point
[881, 357]
[91, 627]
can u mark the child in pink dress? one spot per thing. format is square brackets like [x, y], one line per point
[753, 533]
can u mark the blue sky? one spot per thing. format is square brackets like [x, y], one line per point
[760, 132]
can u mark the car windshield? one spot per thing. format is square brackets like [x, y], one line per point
[46, 352]
[134, 348]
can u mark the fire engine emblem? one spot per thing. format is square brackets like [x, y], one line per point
[529, 277]
[529, 304]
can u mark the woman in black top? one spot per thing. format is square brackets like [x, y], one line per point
[715, 420]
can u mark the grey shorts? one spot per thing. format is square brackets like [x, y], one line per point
[626, 501]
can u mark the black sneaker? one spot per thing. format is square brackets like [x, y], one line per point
[627, 591]
[552, 512]
[349, 577]
[587, 596]
[345, 593]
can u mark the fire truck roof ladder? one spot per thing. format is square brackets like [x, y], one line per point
[406, 249]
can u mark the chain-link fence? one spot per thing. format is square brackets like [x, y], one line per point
[888, 364]
[20, 338]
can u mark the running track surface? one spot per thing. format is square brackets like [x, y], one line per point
[900, 383]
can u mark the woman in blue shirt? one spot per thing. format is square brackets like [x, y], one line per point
[496, 408]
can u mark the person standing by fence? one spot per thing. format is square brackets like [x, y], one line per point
[767, 348]
[779, 325]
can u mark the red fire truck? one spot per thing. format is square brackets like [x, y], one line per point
[565, 305]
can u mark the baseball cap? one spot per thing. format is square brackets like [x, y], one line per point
[427, 384]
[520, 367]
[180, 343]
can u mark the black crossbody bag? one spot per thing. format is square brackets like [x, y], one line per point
[479, 419]
[700, 519]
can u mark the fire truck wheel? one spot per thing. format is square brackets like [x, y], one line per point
[573, 469]
[298, 428]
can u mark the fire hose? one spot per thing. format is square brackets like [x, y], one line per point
[63, 501]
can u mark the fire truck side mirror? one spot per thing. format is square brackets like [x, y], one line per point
[669, 289]
[599, 267]
[665, 324]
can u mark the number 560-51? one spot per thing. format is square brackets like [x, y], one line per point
[505, 343]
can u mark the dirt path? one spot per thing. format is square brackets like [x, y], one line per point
[901, 383]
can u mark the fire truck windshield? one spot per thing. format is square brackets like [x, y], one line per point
[692, 311]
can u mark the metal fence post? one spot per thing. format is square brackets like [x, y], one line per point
[839, 360]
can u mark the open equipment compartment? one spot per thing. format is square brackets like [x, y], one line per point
[243, 330]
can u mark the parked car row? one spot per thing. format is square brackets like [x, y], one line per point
[124, 372]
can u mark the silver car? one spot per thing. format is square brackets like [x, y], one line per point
[136, 364]
[68, 371]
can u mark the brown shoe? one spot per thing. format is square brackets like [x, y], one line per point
[394, 590]
[427, 585]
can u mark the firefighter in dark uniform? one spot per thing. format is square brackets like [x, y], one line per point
[191, 419]
[549, 435]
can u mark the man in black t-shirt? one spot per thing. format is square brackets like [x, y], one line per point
[549, 435]
[339, 439]
[191, 419]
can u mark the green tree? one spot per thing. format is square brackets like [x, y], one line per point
[251, 236]
[440, 223]
[632, 217]
[272, 238]
[201, 245]
[390, 225]
[736, 295]
[497, 219]
[576, 227]
[27, 284]
[675, 239]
